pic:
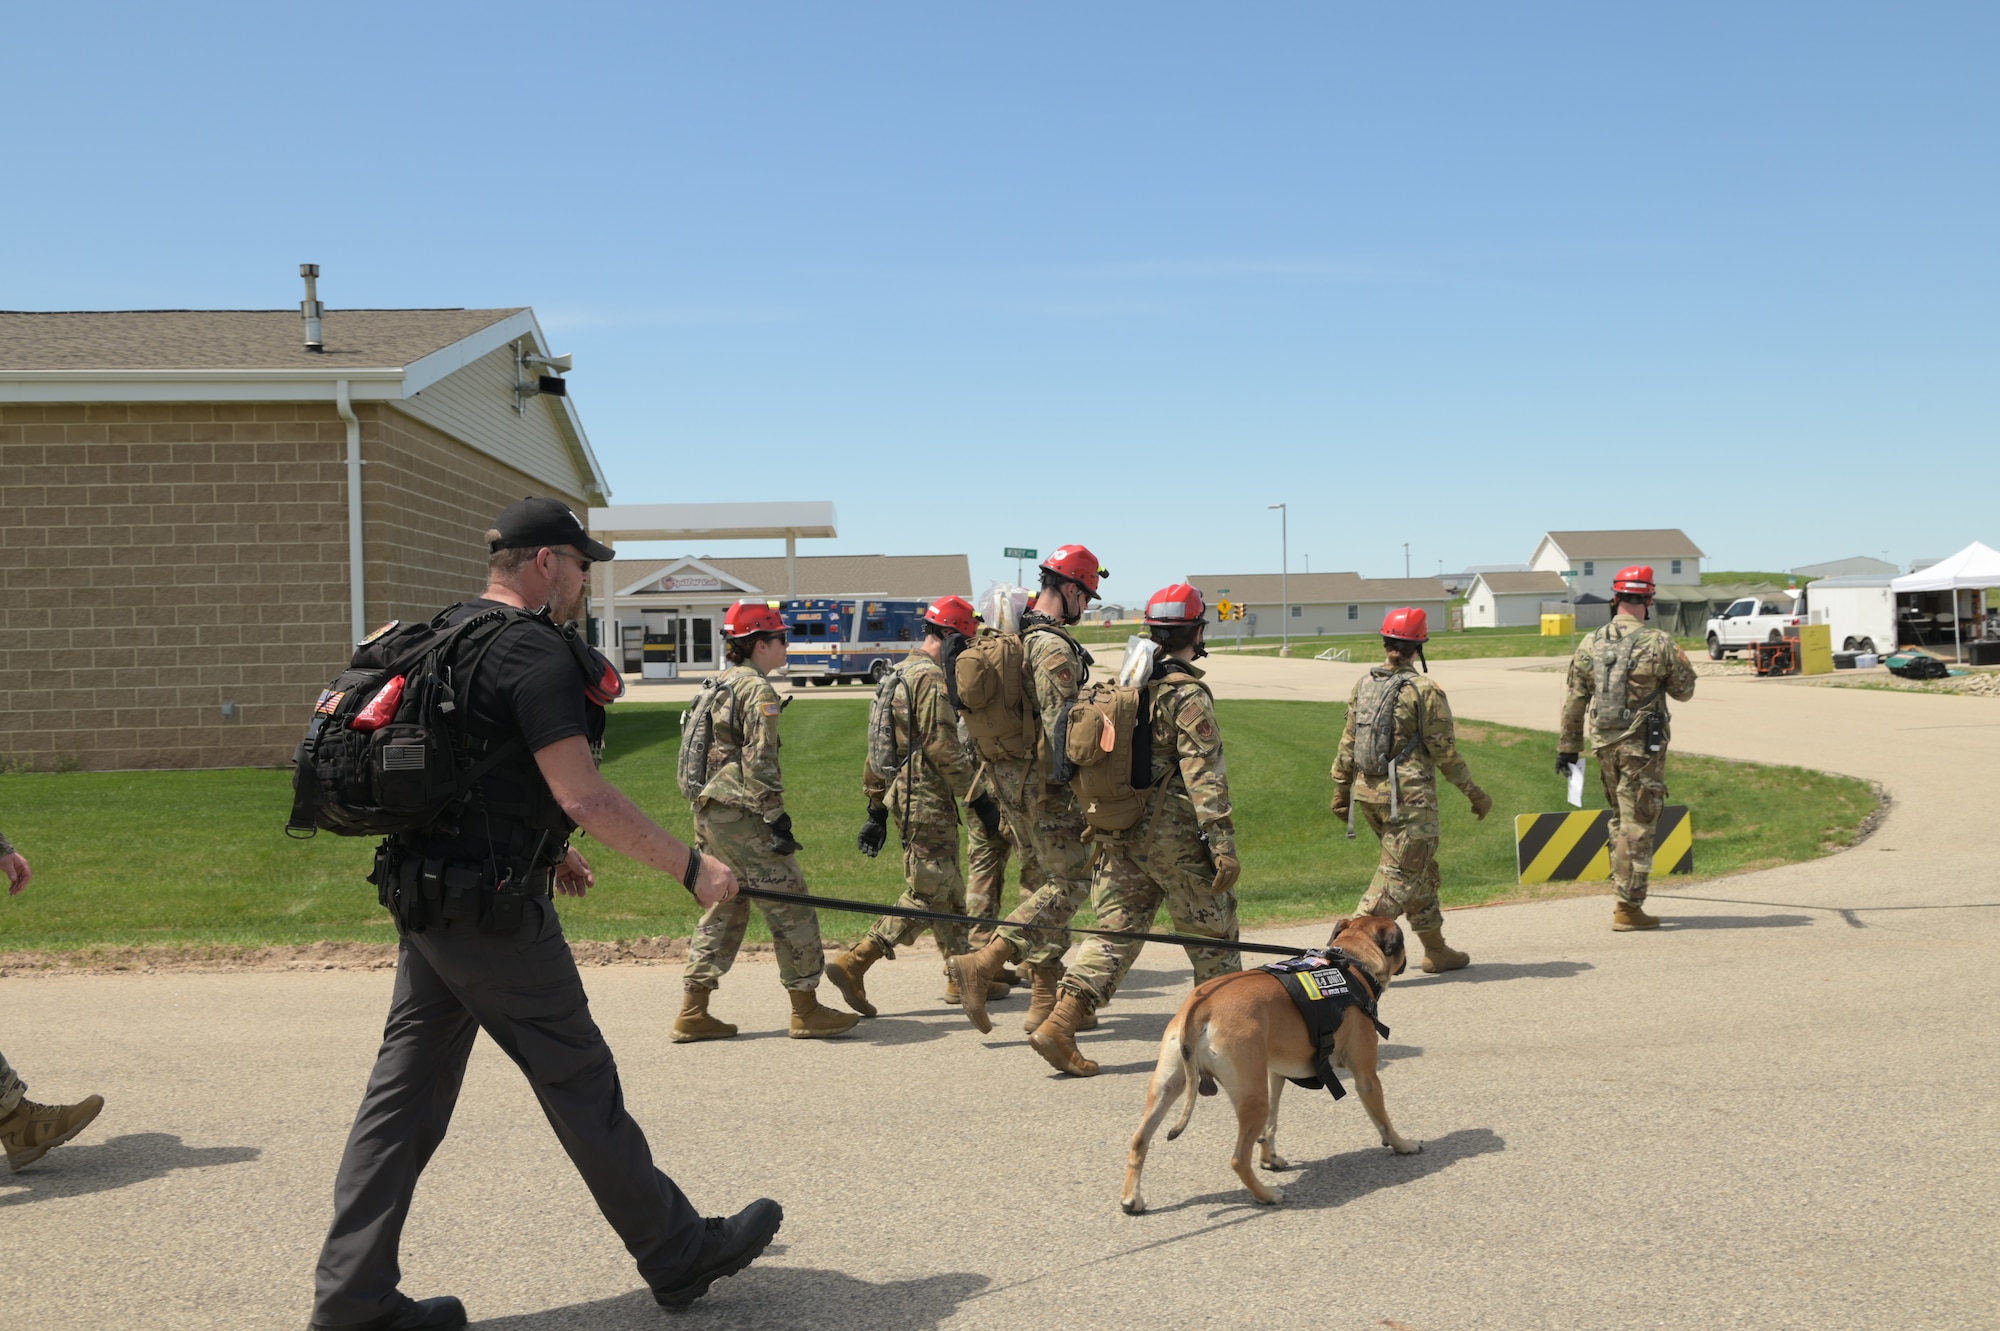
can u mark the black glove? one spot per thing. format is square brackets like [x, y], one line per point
[988, 813]
[782, 840]
[873, 832]
[1564, 761]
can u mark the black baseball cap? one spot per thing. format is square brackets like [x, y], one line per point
[538, 521]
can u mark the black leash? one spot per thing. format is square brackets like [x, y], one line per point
[942, 917]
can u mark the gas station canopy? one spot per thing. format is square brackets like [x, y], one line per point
[712, 522]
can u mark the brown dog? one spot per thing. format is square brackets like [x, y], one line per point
[1244, 1031]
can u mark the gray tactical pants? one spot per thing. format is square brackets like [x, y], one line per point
[523, 990]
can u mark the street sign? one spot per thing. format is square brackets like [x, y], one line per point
[1013, 552]
[1224, 610]
[1569, 573]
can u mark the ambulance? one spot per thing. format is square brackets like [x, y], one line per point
[844, 639]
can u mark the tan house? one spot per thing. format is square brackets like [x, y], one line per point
[1320, 603]
[203, 514]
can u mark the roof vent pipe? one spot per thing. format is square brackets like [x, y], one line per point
[311, 308]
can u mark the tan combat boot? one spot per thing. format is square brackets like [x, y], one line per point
[1631, 915]
[972, 974]
[847, 969]
[1042, 995]
[694, 1023]
[811, 1021]
[1055, 1039]
[31, 1131]
[995, 990]
[1438, 955]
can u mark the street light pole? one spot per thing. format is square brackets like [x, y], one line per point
[1285, 577]
[1406, 560]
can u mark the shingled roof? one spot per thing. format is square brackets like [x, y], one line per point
[228, 339]
[1671, 542]
[1317, 588]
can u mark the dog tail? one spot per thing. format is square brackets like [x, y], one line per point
[1189, 1034]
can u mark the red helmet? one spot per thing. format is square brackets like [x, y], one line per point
[1634, 581]
[953, 613]
[748, 617]
[1407, 624]
[1076, 563]
[1178, 604]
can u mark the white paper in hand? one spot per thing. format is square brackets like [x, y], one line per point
[1576, 783]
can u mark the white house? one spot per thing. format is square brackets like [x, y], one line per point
[1598, 555]
[1511, 600]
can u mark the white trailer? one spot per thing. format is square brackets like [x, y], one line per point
[1860, 610]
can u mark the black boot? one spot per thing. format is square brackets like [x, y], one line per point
[443, 1313]
[727, 1247]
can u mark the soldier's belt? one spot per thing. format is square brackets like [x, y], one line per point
[980, 921]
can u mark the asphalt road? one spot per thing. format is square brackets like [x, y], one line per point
[1777, 1112]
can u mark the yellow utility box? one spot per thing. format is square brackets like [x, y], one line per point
[1815, 649]
[1558, 626]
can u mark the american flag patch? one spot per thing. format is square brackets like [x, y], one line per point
[329, 701]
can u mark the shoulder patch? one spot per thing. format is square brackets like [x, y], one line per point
[1196, 721]
[772, 708]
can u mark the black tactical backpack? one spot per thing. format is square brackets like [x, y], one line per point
[386, 750]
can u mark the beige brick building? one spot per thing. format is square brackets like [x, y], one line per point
[181, 571]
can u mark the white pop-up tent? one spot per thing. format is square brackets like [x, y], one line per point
[1975, 567]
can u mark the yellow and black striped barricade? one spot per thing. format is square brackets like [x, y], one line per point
[1573, 847]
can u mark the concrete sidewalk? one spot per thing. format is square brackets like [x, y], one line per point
[1777, 1112]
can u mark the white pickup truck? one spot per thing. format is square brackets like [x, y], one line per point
[1754, 619]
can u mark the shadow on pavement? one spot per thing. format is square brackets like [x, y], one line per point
[772, 1296]
[1676, 923]
[1349, 1176]
[1483, 972]
[77, 1171]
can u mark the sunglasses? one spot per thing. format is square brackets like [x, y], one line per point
[582, 563]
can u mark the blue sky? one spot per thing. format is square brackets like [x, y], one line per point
[1449, 275]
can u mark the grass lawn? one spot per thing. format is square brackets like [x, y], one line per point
[191, 858]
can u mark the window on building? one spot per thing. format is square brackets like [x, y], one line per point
[1589, 568]
[1354, 612]
[1298, 611]
[1677, 566]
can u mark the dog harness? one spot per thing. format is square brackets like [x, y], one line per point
[1323, 985]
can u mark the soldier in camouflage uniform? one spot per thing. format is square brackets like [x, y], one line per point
[1041, 813]
[740, 816]
[1417, 740]
[919, 768]
[1181, 852]
[29, 1131]
[1622, 676]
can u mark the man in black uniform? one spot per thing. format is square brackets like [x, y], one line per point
[499, 962]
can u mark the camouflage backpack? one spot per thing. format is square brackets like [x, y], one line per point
[1610, 698]
[1375, 751]
[885, 758]
[697, 734]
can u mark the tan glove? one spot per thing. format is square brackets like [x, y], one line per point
[1343, 797]
[1482, 803]
[1227, 870]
